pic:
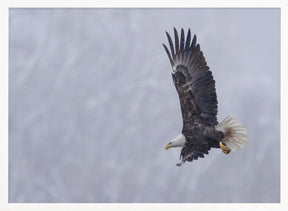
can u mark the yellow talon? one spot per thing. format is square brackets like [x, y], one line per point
[225, 149]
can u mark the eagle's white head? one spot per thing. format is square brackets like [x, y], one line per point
[179, 141]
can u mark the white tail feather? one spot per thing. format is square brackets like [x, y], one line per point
[235, 134]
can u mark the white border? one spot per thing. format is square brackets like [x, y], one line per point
[283, 4]
[284, 104]
[147, 3]
[3, 106]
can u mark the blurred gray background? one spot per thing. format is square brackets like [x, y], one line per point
[92, 105]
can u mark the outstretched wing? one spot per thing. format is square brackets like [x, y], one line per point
[193, 81]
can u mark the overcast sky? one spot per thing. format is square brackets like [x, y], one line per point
[92, 105]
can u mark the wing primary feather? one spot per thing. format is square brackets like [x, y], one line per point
[168, 53]
[187, 45]
[182, 40]
[193, 41]
[188, 40]
[170, 44]
[176, 41]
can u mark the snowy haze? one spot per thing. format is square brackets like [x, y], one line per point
[92, 105]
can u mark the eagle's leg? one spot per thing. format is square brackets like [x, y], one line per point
[187, 157]
[224, 148]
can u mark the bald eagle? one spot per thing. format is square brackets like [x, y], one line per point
[196, 90]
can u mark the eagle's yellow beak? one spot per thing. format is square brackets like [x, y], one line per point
[167, 146]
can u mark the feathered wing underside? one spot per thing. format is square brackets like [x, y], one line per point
[193, 81]
[196, 89]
